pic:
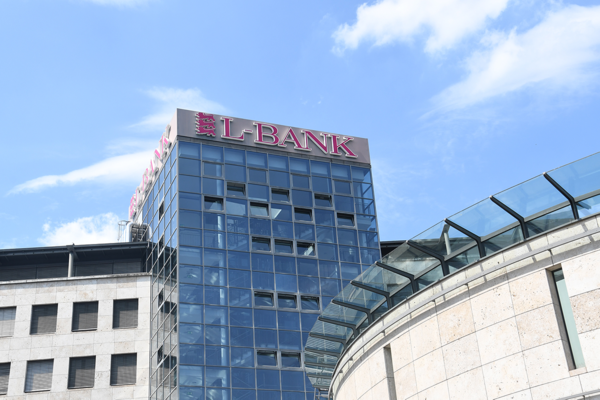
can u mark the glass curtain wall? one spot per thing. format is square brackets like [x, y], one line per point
[265, 242]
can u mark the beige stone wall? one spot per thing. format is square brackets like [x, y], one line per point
[495, 334]
[64, 344]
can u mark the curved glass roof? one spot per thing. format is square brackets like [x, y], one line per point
[545, 202]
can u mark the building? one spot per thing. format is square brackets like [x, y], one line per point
[498, 301]
[74, 322]
[240, 233]
[254, 228]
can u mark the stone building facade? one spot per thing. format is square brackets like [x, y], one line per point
[496, 329]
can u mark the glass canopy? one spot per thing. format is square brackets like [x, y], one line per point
[511, 216]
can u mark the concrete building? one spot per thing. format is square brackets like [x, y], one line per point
[74, 322]
[499, 301]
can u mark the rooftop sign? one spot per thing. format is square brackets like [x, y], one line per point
[219, 128]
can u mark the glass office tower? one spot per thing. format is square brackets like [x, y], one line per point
[249, 244]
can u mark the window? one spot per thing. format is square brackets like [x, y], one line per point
[302, 214]
[161, 210]
[7, 321]
[85, 316]
[213, 204]
[261, 244]
[568, 319]
[284, 246]
[290, 360]
[266, 358]
[236, 190]
[125, 313]
[280, 195]
[286, 301]
[322, 200]
[43, 319]
[39, 375]
[345, 219]
[259, 210]
[81, 372]
[306, 249]
[310, 303]
[263, 299]
[4, 375]
[123, 369]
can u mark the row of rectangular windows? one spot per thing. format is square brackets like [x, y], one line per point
[190, 178]
[85, 317]
[81, 374]
[273, 162]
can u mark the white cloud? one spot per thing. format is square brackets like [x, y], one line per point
[558, 53]
[171, 98]
[445, 22]
[119, 3]
[101, 228]
[123, 168]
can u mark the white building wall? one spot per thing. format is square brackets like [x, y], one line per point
[495, 337]
[64, 344]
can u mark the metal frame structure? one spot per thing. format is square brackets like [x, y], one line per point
[542, 203]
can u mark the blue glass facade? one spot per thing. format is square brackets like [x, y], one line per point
[248, 248]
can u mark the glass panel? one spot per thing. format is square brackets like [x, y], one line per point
[531, 197]
[463, 259]
[483, 218]
[432, 276]
[300, 181]
[257, 175]
[340, 171]
[290, 360]
[283, 229]
[310, 303]
[302, 214]
[321, 184]
[302, 198]
[281, 212]
[550, 221]
[299, 165]
[191, 150]
[260, 226]
[320, 168]
[215, 187]
[261, 244]
[236, 190]
[360, 297]
[211, 169]
[443, 239]
[281, 179]
[259, 210]
[212, 153]
[257, 159]
[280, 195]
[284, 246]
[263, 299]
[408, 259]
[589, 206]
[258, 192]
[235, 156]
[401, 295]
[569, 319]
[580, 177]
[382, 279]
[324, 217]
[345, 219]
[503, 240]
[305, 249]
[286, 301]
[322, 200]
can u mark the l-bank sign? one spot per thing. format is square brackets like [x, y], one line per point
[218, 128]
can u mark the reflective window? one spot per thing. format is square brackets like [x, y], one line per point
[240, 297]
[191, 150]
[242, 357]
[263, 299]
[189, 167]
[300, 181]
[242, 337]
[190, 237]
[286, 301]
[266, 358]
[319, 168]
[235, 173]
[289, 320]
[302, 198]
[213, 204]
[305, 249]
[261, 244]
[236, 190]
[284, 246]
[285, 264]
[237, 224]
[290, 360]
[309, 303]
[215, 187]
[267, 379]
[258, 192]
[211, 169]
[257, 175]
[340, 171]
[262, 262]
[190, 201]
[237, 206]
[302, 214]
[280, 195]
[259, 209]
[189, 184]
[307, 267]
[281, 179]
[214, 222]
[286, 283]
[299, 165]
[283, 229]
[346, 219]
[212, 153]
[238, 260]
[265, 319]
[266, 338]
[240, 316]
[281, 212]
[324, 217]
[322, 200]
[260, 226]
[234, 156]
[257, 159]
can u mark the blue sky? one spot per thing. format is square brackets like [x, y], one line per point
[460, 99]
